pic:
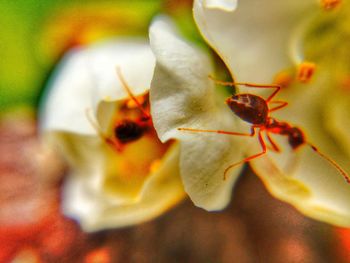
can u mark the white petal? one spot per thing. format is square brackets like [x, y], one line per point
[204, 159]
[178, 61]
[84, 194]
[68, 98]
[253, 39]
[312, 185]
[183, 96]
[228, 5]
[87, 76]
[84, 154]
[95, 211]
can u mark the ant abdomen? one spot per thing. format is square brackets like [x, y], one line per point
[295, 137]
[249, 107]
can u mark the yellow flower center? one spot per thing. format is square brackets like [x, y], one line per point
[135, 150]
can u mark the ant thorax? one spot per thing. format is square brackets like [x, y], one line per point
[250, 108]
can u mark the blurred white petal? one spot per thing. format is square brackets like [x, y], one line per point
[97, 193]
[88, 76]
[228, 5]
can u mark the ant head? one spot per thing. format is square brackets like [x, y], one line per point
[249, 107]
[295, 137]
[128, 131]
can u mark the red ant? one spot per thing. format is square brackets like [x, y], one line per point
[127, 130]
[255, 110]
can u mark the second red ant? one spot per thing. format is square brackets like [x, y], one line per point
[255, 110]
[126, 129]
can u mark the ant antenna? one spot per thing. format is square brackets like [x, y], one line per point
[249, 85]
[131, 95]
[331, 161]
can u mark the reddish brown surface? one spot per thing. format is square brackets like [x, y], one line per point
[29, 195]
[254, 228]
[101, 255]
[343, 243]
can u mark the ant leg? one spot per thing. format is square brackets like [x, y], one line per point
[252, 131]
[264, 149]
[220, 82]
[250, 85]
[282, 105]
[109, 141]
[331, 161]
[131, 95]
[273, 144]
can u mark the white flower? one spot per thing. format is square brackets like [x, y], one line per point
[183, 96]
[252, 40]
[106, 187]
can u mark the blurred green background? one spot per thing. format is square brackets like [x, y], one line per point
[35, 34]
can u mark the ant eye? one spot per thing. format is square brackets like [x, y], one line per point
[127, 131]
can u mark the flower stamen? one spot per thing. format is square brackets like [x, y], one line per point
[284, 78]
[330, 4]
[131, 104]
[305, 71]
[345, 84]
